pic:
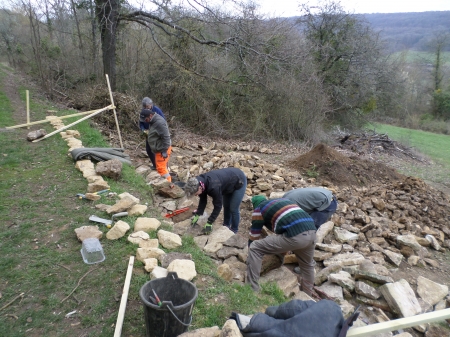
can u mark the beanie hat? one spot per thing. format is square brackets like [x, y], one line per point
[191, 186]
[257, 199]
[144, 114]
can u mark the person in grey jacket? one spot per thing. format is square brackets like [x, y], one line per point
[159, 140]
[318, 202]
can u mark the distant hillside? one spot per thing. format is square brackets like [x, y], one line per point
[409, 30]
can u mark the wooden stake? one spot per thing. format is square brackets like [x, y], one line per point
[123, 302]
[401, 323]
[28, 107]
[114, 109]
[60, 117]
[12, 301]
[70, 125]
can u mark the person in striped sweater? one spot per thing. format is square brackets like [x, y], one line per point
[297, 233]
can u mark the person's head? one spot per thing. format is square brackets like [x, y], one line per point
[146, 115]
[258, 199]
[193, 187]
[147, 103]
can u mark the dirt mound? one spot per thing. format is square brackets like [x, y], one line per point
[325, 163]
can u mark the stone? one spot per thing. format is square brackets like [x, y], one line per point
[118, 230]
[166, 259]
[364, 289]
[343, 235]
[343, 279]
[301, 295]
[320, 256]
[329, 248]
[380, 303]
[434, 243]
[236, 241]
[158, 272]
[430, 291]
[226, 252]
[185, 269]
[137, 210]
[33, 135]
[169, 240]
[146, 253]
[98, 185]
[146, 224]
[86, 232]
[441, 305]
[322, 275]
[346, 308]
[110, 168]
[284, 278]
[147, 243]
[230, 329]
[412, 260]
[137, 237]
[393, 257]
[345, 259]
[332, 290]
[150, 264]
[121, 206]
[201, 241]
[436, 331]
[216, 239]
[401, 298]
[171, 191]
[367, 266]
[169, 205]
[203, 332]
[224, 271]
[323, 231]
[380, 279]
[409, 240]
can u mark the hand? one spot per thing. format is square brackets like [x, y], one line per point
[194, 220]
[164, 154]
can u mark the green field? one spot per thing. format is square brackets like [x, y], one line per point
[412, 56]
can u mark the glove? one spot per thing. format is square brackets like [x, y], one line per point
[207, 229]
[164, 154]
[194, 220]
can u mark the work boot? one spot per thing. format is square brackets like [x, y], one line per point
[207, 229]
[297, 270]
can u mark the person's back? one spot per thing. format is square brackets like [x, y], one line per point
[310, 198]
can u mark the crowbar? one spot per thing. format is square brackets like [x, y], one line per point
[176, 212]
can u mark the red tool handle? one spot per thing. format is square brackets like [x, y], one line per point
[176, 212]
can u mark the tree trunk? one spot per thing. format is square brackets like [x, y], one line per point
[107, 12]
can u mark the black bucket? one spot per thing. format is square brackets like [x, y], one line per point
[177, 298]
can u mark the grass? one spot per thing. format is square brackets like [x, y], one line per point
[40, 254]
[435, 146]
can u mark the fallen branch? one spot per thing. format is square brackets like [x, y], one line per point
[79, 282]
[60, 265]
[15, 298]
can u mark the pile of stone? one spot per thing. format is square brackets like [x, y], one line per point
[374, 231]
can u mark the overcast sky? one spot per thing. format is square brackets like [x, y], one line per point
[290, 7]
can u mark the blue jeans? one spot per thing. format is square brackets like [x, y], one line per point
[232, 207]
[320, 217]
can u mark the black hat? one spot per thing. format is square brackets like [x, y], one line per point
[144, 114]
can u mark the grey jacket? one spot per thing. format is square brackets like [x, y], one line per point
[158, 134]
[310, 199]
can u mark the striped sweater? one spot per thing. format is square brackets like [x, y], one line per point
[281, 216]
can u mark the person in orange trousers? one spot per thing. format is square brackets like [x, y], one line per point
[159, 141]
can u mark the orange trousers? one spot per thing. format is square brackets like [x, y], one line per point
[161, 164]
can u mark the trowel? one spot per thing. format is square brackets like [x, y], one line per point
[107, 222]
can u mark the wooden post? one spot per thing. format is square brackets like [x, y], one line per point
[397, 324]
[68, 126]
[123, 301]
[115, 115]
[28, 107]
[60, 117]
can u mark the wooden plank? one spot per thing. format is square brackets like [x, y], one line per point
[123, 302]
[115, 115]
[68, 126]
[28, 107]
[401, 323]
[60, 117]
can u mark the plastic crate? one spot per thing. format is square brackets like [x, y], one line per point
[92, 251]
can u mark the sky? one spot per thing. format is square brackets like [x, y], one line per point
[290, 7]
